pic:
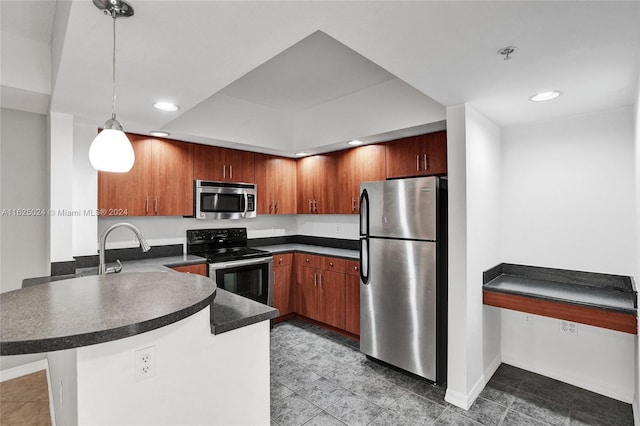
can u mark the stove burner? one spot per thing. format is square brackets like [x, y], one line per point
[221, 245]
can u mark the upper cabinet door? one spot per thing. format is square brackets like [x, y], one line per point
[159, 183]
[317, 181]
[173, 178]
[222, 164]
[357, 165]
[422, 155]
[127, 194]
[238, 166]
[276, 182]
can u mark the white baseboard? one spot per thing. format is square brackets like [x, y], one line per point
[579, 381]
[465, 401]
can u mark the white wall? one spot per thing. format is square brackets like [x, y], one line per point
[457, 348]
[484, 175]
[568, 202]
[84, 186]
[568, 193]
[26, 64]
[61, 186]
[473, 156]
[24, 243]
[388, 106]
[172, 230]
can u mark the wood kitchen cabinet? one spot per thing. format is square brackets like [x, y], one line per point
[276, 184]
[316, 184]
[199, 269]
[320, 283]
[422, 155]
[282, 294]
[222, 164]
[362, 164]
[352, 297]
[160, 183]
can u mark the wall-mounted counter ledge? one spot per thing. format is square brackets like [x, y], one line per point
[601, 300]
[95, 309]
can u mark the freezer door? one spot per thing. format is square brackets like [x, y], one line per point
[398, 305]
[403, 208]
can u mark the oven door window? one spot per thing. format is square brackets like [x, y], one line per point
[249, 281]
[221, 203]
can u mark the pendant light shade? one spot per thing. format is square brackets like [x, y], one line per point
[111, 150]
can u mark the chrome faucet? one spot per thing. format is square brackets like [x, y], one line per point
[102, 268]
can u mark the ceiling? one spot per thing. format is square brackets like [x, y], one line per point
[281, 60]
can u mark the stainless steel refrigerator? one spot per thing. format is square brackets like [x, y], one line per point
[403, 284]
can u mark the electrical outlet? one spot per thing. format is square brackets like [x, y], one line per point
[527, 319]
[570, 328]
[145, 363]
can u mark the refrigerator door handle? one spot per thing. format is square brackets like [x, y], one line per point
[364, 261]
[364, 213]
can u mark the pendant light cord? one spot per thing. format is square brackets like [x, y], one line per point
[113, 106]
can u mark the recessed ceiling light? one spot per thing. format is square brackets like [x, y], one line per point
[159, 133]
[545, 96]
[355, 142]
[166, 106]
[301, 154]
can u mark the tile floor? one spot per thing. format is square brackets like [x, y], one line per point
[25, 400]
[320, 378]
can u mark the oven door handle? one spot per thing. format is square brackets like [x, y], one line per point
[236, 263]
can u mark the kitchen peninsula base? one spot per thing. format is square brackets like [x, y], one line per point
[200, 378]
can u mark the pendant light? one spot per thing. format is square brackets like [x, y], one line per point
[111, 150]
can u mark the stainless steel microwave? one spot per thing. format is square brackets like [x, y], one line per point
[224, 200]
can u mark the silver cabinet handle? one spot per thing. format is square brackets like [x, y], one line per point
[270, 207]
[417, 162]
[230, 171]
[224, 171]
[315, 281]
[146, 205]
[277, 206]
[353, 204]
[320, 280]
[155, 205]
[426, 162]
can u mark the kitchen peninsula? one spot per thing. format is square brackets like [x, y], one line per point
[94, 329]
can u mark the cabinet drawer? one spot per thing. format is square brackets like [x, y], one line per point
[353, 267]
[282, 259]
[333, 264]
[308, 260]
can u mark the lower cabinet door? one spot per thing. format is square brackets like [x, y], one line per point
[331, 298]
[282, 296]
[352, 302]
[308, 293]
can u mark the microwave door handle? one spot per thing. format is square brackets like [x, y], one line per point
[246, 205]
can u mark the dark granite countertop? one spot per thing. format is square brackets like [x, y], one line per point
[95, 309]
[308, 248]
[602, 291]
[231, 312]
[156, 264]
